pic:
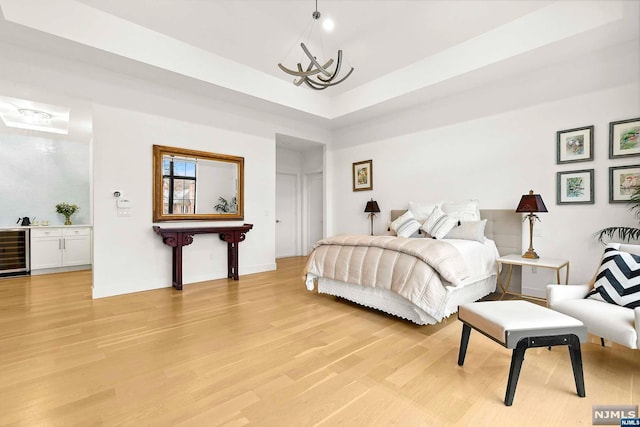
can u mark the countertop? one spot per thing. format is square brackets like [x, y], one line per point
[22, 227]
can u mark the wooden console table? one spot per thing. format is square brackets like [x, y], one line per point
[179, 237]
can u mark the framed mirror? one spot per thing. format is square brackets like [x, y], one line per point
[196, 185]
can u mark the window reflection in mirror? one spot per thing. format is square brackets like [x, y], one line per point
[178, 185]
[196, 185]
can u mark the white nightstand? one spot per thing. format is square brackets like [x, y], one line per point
[511, 260]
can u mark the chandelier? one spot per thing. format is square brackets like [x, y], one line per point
[317, 76]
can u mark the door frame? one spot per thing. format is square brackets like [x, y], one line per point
[306, 201]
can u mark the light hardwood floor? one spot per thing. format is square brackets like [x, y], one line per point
[265, 351]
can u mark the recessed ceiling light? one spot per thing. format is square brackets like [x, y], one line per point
[36, 117]
[32, 115]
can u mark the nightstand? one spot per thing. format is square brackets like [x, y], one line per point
[511, 260]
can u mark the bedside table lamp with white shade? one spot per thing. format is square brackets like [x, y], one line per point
[531, 204]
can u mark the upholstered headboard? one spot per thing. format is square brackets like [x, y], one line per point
[504, 226]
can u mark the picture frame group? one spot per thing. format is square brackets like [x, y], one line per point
[577, 145]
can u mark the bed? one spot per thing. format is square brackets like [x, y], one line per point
[419, 279]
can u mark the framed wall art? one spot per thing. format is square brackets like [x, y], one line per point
[363, 175]
[575, 145]
[575, 187]
[624, 138]
[623, 181]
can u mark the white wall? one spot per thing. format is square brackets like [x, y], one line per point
[37, 173]
[128, 256]
[496, 160]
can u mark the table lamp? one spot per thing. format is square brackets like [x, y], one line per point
[530, 204]
[372, 209]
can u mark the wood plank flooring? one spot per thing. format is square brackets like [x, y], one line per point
[265, 351]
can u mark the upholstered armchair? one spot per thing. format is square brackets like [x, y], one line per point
[611, 321]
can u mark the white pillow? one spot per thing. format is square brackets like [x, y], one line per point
[466, 210]
[469, 230]
[422, 210]
[405, 225]
[438, 224]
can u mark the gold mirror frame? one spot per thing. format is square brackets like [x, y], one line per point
[159, 151]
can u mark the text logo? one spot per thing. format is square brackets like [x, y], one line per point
[613, 414]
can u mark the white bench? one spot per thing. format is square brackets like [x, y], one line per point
[520, 325]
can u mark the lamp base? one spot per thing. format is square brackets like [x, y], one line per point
[530, 254]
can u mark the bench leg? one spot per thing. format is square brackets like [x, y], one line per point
[517, 357]
[576, 364]
[464, 341]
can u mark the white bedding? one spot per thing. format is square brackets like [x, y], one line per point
[481, 280]
[480, 257]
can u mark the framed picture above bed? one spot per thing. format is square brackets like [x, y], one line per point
[363, 175]
[624, 138]
[574, 145]
[575, 187]
[623, 180]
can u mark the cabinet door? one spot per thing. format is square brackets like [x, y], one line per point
[76, 250]
[46, 252]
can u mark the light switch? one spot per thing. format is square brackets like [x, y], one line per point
[124, 207]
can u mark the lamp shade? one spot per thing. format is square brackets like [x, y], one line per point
[372, 207]
[531, 203]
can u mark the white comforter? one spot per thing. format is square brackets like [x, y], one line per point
[419, 270]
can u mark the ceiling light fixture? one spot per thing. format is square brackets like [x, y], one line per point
[316, 75]
[35, 117]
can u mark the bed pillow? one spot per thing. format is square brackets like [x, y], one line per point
[405, 225]
[466, 210]
[618, 279]
[468, 230]
[438, 224]
[422, 210]
[389, 232]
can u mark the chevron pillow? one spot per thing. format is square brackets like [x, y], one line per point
[618, 279]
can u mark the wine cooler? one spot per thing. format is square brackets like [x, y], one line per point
[14, 251]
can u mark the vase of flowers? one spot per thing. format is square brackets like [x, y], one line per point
[67, 210]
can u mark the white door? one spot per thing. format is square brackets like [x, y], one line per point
[315, 208]
[286, 220]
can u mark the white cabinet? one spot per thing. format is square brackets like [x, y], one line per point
[46, 248]
[76, 246]
[60, 247]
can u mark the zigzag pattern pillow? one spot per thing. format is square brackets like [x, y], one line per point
[618, 279]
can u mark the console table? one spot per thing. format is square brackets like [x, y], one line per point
[179, 237]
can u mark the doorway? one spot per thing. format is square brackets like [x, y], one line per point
[299, 195]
